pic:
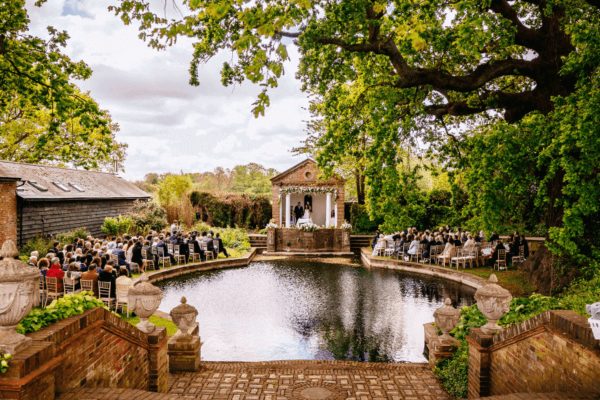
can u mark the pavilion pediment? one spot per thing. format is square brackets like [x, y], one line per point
[305, 173]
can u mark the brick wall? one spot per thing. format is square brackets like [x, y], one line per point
[52, 217]
[95, 349]
[8, 210]
[553, 352]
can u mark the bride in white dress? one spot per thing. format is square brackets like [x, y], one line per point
[306, 217]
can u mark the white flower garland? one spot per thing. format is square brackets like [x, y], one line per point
[308, 189]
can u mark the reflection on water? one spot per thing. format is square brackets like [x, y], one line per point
[286, 310]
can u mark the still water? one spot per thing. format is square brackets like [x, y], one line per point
[290, 310]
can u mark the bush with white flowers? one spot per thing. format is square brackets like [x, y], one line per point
[308, 227]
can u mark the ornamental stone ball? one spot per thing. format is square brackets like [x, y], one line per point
[493, 301]
[446, 318]
[144, 298]
[184, 316]
[19, 292]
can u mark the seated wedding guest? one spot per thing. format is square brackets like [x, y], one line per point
[425, 246]
[197, 248]
[222, 248]
[494, 257]
[494, 237]
[121, 256]
[469, 244]
[55, 271]
[33, 261]
[107, 275]
[92, 275]
[43, 265]
[375, 239]
[56, 252]
[414, 246]
[136, 252]
[448, 252]
[379, 246]
[208, 241]
[74, 274]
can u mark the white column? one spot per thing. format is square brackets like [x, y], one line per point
[280, 210]
[287, 210]
[328, 210]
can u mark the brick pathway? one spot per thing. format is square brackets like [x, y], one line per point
[310, 380]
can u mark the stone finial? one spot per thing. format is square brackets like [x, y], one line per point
[446, 318]
[144, 299]
[493, 301]
[184, 316]
[19, 292]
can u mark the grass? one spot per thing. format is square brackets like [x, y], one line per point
[513, 280]
[158, 321]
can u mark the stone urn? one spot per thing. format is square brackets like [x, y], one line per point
[19, 292]
[446, 318]
[493, 301]
[144, 299]
[184, 316]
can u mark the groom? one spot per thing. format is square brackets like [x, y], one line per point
[298, 211]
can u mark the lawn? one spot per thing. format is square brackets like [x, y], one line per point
[513, 280]
[158, 321]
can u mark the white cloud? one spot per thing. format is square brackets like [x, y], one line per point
[168, 124]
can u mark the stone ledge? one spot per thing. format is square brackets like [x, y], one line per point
[425, 269]
[308, 254]
[173, 272]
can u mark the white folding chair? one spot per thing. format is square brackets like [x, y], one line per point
[104, 293]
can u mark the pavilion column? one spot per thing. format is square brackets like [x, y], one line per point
[288, 216]
[328, 210]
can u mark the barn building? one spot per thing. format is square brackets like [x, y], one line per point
[41, 200]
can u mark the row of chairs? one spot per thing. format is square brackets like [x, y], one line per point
[459, 257]
[153, 253]
[49, 291]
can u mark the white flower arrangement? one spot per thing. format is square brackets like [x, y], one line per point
[271, 225]
[308, 189]
[308, 227]
[346, 226]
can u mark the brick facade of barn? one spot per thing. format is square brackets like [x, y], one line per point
[37, 200]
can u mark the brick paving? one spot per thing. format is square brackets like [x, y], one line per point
[299, 380]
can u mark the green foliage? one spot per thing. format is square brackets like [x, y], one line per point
[148, 215]
[72, 236]
[4, 359]
[359, 218]
[158, 321]
[243, 210]
[59, 309]
[453, 372]
[43, 115]
[39, 244]
[236, 239]
[117, 225]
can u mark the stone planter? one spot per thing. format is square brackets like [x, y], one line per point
[144, 299]
[493, 301]
[446, 318]
[184, 316]
[19, 292]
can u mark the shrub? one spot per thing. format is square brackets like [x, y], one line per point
[40, 244]
[359, 218]
[243, 210]
[147, 215]
[118, 225]
[4, 359]
[235, 239]
[62, 308]
[72, 236]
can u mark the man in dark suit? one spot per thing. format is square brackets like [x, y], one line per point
[197, 248]
[121, 256]
[298, 211]
[161, 244]
[222, 248]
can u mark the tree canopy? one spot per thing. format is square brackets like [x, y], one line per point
[503, 94]
[44, 117]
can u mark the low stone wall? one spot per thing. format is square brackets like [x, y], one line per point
[419, 268]
[552, 352]
[162, 274]
[296, 240]
[95, 349]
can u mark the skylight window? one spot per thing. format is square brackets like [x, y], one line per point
[38, 186]
[76, 187]
[61, 186]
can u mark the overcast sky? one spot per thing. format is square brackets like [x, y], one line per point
[169, 125]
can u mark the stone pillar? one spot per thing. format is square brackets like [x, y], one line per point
[271, 239]
[328, 210]
[158, 360]
[184, 346]
[479, 363]
[288, 215]
[8, 210]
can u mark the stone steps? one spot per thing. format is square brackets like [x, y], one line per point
[114, 394]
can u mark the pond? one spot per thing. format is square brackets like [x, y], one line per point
[295, 309]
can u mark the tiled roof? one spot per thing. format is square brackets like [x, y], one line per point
[43, 182]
